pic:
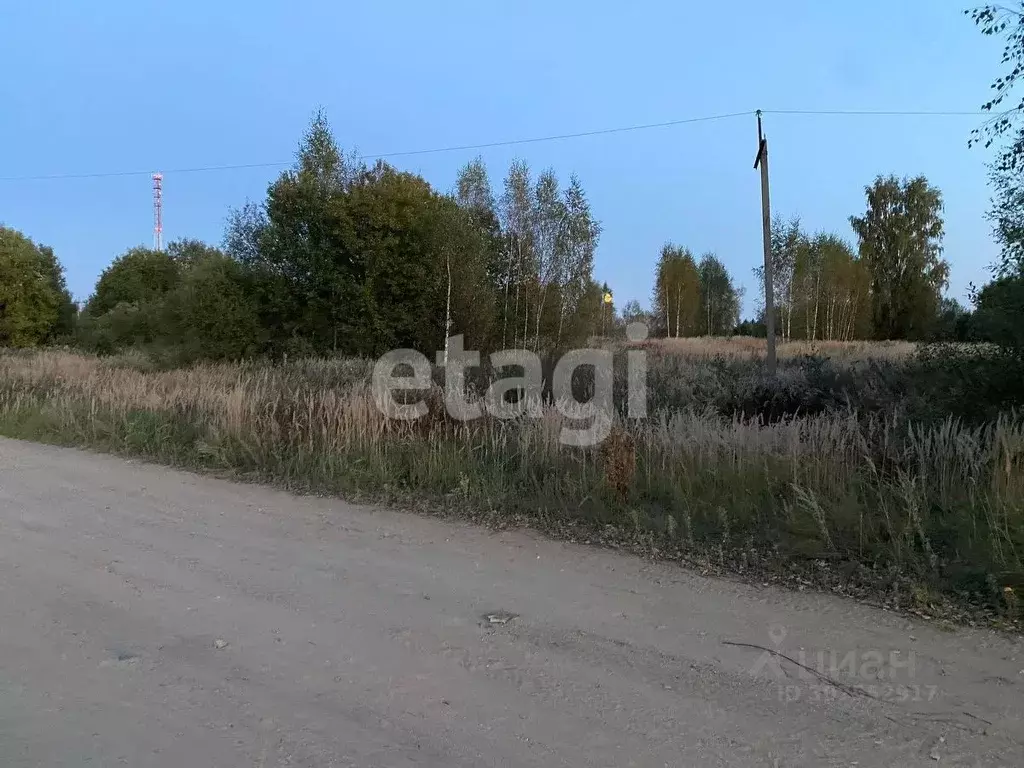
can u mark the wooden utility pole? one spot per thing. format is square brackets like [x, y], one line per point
[766, 225]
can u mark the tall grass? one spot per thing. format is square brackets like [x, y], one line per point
[749, 347]
[940, 503]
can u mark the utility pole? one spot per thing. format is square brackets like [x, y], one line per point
[766, 226]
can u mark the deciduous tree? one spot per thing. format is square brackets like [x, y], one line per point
[212, 313]
[580, 236]
[676, 298]
[900, 238]
[719, 298]
[32, 291]
[549, 229]
[1005, 130]
[521, 264]
[138, 276]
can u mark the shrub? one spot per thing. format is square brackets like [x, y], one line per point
[999, 317]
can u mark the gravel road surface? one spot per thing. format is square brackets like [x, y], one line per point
[150, 617]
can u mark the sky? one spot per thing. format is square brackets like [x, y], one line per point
[134, 85]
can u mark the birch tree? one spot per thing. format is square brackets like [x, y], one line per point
[676, 298]
[549, 222]
[719, 298]
[580, 237]
[474, 195]
[787, 240]
[517, 226]
[1005, 130]
[900, 237]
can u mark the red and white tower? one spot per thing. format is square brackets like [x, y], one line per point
[158, 211]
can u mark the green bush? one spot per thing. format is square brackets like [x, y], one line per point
[35, 306]
[999, 317]
[200, 306]
[212, 313]
[139, 276]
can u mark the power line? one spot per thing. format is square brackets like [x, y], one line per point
[565, 135]
[113, 174]
[513, 142]
[875, 113]
[406, 153]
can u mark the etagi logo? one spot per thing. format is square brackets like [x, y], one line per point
[597, 412]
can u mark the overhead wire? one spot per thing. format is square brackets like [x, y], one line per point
[875, 112]
[512, 142]
[382, 155]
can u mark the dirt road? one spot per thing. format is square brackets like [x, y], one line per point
[156, 618]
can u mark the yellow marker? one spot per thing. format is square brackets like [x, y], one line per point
[608, 298]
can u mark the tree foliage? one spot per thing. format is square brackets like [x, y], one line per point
[788, 241]
[953, 323]
[676, 298]
[35, 306]
[345, 258]
[900, 237]
[693, 298]
[67, 309]
[189, 252]
[834, 302]
[999, 313]
[889, 288]
[543, 266]
[822, 289]
[719, 298]
[632, 312]
[999, 307]
[1008, 23]
[212, 312]
[1005, 130]
[138, 276]
[359, 260]
[191, 302]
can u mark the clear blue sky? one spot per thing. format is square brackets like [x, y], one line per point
[139, 85]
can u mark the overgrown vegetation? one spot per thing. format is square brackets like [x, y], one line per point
[833, 463]
[35, 305]
[342, 258]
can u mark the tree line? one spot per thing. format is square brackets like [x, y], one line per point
[358, 260]
[339, 258]
[890, 284]
[691, 297]
[349, 259]
[889, 287]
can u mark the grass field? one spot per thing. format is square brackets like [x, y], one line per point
[825, 475]
[748, 347]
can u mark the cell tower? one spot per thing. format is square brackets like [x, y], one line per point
[158, 211]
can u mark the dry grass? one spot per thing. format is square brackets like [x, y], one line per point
[943, 504]
[618, 461]
[749, 347]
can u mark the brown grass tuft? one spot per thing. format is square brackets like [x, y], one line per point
[618, 461]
